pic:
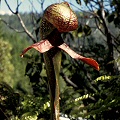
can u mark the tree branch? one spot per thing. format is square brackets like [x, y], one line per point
[25, 29]
[9, 7]
[16, 30]
[21, 21]
[68, 80]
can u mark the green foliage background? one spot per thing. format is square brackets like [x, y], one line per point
[6, 67]
[84, 92]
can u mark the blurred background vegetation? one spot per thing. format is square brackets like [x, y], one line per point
[84, 92]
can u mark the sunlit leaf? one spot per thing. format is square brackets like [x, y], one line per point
[106, 78]
[29, 116]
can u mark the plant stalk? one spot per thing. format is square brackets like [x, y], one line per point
[52, 60]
